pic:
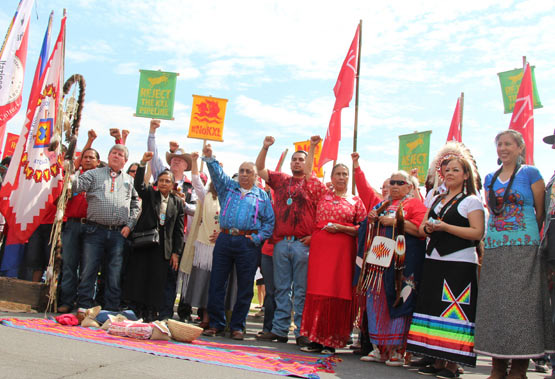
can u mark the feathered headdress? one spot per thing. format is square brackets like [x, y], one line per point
[449, 150]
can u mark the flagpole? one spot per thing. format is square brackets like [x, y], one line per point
[355, 130]
[461, 111]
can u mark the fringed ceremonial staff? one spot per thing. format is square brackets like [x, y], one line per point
[69, 118]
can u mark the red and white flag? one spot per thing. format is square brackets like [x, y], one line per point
[12, 64]
[34, 178]
[455, 132]
[522, 119]
[344, 88]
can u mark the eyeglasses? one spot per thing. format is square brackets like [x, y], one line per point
[397, 182]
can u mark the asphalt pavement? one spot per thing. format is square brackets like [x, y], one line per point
[26, 354]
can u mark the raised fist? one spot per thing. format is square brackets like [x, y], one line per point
[147, 156]
[194, 155]
[207, 151]
[315, 140]
[173, 146]
[268, 141]
[154, 124]
[92, 134]
[355, 156]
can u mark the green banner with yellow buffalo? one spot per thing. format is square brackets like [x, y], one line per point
[156, 94]
[414, 152]
[510, 83]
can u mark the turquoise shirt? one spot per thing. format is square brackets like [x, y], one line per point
[517, 224]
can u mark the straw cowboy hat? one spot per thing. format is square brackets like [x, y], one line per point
[180, 153]
[550, 140]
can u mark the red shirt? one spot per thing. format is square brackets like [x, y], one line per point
[77, 206]
[296, 219]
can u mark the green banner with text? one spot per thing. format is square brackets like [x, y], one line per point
[414, 152]
[156, 94]
[510, 83]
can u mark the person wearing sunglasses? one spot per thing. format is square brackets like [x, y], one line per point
[512, 317]
[388, 312]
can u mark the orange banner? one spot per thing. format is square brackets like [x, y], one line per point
[9, 148]
[305, 145]
[207, 118]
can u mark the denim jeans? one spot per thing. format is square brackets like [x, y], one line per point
[242, 252]
[72, 246]
[267, 269]
[290, 270]
[97, 242]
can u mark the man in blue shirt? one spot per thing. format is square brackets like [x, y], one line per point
[246, 220]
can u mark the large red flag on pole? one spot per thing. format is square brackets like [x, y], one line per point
[12, 64]
[522, 119]
[455, 132]
[343, 91]
[34, 178]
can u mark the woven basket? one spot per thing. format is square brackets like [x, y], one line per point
[183, 332]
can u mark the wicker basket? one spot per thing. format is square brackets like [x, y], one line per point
[183, 332]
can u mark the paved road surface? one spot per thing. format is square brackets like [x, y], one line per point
[33, 355]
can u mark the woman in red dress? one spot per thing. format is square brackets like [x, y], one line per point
[327, 315]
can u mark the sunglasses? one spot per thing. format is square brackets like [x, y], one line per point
[397, 182]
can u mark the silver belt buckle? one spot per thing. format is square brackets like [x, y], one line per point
[234, 231]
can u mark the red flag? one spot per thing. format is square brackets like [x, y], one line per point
[522, 119]
[12, 64]
[34, 178]
[344, 88]
[11, 141]
[455, 132]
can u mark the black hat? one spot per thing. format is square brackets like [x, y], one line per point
[550, 140]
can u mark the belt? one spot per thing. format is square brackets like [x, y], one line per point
[237, 232]
[290, 238]
[80, 220]
[109, 227]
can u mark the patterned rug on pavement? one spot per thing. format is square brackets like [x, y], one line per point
[238, 356]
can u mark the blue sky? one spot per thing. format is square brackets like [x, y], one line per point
[277, 63]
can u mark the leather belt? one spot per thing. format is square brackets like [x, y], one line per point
[109, 227]
[237, 232]
[290, 238]
[79, 220]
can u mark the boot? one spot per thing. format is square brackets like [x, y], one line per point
[498, 368]
[518, 369]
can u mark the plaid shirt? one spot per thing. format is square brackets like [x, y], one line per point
[107, 207]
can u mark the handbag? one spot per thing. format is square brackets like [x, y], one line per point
[145, 239]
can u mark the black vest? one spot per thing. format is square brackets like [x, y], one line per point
[446, 243]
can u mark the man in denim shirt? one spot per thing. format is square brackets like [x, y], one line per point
[246, 220]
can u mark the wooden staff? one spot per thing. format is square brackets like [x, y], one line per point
[356, 103]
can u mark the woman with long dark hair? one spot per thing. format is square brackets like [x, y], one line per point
[513, 316]
[443, 321]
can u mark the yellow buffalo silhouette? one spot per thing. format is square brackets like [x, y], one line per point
[414, 144]
[155, 81]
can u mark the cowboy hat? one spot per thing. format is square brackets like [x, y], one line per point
[550, 140]
[180, 153]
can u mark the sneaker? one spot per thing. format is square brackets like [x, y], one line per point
[446, 374]
[429, 370]
[374, 356]
[302, 341]
[396, 360]
[269, 336]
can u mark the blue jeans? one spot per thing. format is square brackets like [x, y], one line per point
[267, 269]
[242, 252]
[72, 240]
[290, 270]
[98, 241]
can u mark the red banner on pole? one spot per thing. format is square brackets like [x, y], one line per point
[522, 119]
[455, 133]
[11, 141]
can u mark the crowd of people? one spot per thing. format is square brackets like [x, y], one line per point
[465, 269]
